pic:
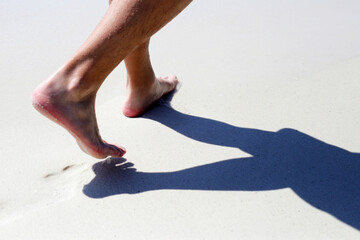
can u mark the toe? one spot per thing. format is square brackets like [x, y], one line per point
[116, 151]
[174, 81]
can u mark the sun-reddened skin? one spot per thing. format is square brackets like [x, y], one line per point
[68, 96]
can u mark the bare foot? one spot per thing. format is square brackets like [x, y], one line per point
[76, 115]
[141, 98]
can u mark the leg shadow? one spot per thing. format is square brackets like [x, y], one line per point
[323, 175]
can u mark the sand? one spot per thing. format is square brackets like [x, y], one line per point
[261, 141]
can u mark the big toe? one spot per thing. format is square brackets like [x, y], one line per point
[172, 79]
[115, 150]
[170, 82]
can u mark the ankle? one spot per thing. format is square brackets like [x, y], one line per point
[141, 84]
[71, 83]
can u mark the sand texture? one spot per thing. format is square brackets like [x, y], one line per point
[261, 140]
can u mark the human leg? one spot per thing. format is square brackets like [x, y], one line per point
[143, 88]
[68, 96]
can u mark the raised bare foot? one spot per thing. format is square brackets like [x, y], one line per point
[64, 106]
[140, 98]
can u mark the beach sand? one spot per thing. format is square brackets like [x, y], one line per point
[261, 140]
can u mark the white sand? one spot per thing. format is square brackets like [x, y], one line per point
[268, 112]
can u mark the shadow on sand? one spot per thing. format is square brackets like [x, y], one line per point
[323, 175]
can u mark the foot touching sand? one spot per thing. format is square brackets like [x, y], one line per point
[77, 115]
[140, 99]
[76, 112]
[123, 34]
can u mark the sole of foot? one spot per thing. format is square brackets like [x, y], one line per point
[78, 118]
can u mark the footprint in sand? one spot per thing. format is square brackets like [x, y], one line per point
[50, 189]
[66, 182]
